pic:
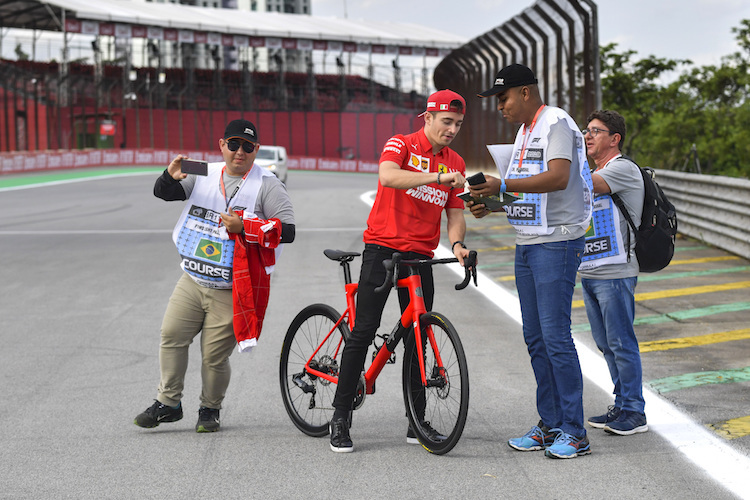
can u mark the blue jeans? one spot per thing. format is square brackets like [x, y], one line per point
[610, 306]
[545, 278]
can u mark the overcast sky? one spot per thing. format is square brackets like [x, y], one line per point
[699, 30]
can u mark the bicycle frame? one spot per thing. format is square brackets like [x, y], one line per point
[409, 319]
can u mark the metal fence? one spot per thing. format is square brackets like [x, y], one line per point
[713, 209]
[557, 39]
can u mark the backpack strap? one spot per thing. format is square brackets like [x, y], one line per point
[631, 225]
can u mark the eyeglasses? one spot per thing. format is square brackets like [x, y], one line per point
[234, 145]
[595, 131]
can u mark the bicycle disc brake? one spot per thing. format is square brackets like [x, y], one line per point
[441, 381]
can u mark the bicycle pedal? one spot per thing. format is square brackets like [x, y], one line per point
[392, 359]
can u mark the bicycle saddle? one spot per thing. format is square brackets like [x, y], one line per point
[340, 255]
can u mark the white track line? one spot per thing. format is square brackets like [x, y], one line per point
[81, 179]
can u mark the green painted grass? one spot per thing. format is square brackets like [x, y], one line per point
[688, 380]
[15, 181]
[679, 315]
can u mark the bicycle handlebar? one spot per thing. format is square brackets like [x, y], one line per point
[391, 266]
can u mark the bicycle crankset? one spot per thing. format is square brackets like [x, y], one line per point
[359, 396]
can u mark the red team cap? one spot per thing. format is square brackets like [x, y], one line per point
[445, 100]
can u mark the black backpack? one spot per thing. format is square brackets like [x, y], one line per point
[654, 240]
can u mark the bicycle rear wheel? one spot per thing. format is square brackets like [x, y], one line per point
[308, 399]
[444, 403]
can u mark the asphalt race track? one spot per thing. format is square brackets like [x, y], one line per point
[89, 267]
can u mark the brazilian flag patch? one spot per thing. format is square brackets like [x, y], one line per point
[590, 231]
[208, 249]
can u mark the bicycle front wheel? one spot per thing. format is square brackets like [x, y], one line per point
[308, 398]
[437, 411]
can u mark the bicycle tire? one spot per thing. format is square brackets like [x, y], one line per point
[309, 399]
[446, 398]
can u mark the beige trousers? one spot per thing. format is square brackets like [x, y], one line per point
[193, 309]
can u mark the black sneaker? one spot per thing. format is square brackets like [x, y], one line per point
[340, 440]
[629, 422]
[600, 421]
[411, 436]
[208, 420]
[158, 413]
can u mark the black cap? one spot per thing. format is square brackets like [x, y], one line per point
[515, 75]
[241, 129]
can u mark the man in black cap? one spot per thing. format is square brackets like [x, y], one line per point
[228, 238]
[550, 169]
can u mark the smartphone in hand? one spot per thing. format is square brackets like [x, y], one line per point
[475, 179]
[196, 167]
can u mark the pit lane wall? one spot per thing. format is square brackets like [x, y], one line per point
[41, 161]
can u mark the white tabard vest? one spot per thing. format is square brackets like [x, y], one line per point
[604, 243]
[529, 214]
[207, 252]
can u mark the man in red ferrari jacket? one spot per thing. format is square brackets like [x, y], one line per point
[419, 178]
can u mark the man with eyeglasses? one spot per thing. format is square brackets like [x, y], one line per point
[609, 271]
[229, 236]
[549, 168]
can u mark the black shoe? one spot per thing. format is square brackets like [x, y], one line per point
[629, 422]
[340, 440]
[208, 420]
[600, 421]
[411, 436]
[158, 413]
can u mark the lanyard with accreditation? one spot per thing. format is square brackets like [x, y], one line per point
[526, 139]
[236, 189]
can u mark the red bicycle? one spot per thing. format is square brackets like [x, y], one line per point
[435, 375]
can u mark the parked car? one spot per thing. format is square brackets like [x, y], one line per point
[274, 159]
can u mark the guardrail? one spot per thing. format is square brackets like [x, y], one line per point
[713, 209]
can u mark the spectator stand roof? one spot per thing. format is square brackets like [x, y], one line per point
[137, 18]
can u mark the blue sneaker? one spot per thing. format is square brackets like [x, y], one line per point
[600, 421]
[568, 446]
[629, 422]
[538, 438]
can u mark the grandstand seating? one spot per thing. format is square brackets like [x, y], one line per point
[325, 116]
[226, 90]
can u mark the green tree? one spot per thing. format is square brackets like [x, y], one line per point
[708, 107]
[20, 54]
[633, 88]
[720, 99]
